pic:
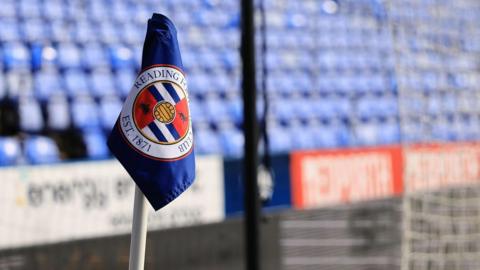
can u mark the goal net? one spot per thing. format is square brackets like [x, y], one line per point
[437, 62]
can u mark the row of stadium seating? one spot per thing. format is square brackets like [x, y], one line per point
[333, 75]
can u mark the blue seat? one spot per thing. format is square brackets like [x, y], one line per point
[132, 34]
[59, 31]
[85, 113]
[19, 83]
[95, 144]
[469, 129]
[7, 10]
[120, 10]
[9, 30]
[97, 10]
[31, 119]
[230, 59]
[443, 130]
[102, 83]
[208, 59]
[94, 56]
[53, 10]
[110, 108]
[207, 142]
[280, 140]
[375, 132]
[330, 134]
[124, 79]
[367, 107]
[121, 57]
[36, 55]
[41, 150]
[235, 110]
[10, 151]
[84, 31]
[302, 137]
[197, 110]
[58, 113]
[216, 110]
[108, 32]
[324, 109]
[198, 83]
[232, 141]
[76, 83]
[29, 9]
[69, 56]
[46, 84]
[16, 56]
[387, 106]
[389, 133]
[222, 83]
[33, 30]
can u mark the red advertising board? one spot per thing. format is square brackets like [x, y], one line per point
[434, 166]
[321, 178]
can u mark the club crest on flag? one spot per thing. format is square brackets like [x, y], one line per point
[155, 119]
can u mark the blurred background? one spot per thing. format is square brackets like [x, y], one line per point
[371, 109]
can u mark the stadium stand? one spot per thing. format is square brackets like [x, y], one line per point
[332, 76]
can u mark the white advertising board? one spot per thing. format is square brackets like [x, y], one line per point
[51, 203]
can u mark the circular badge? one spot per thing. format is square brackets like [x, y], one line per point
[155, 119]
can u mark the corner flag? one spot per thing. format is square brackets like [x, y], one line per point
[153, 137]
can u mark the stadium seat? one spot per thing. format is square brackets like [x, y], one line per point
[19, 83]
[102, 83]
[16, 56]
[120, 10]
[107, 31]
[230, 60]
[33, 30]
[197, 110]
[53, 10]
[207, 142]
[41, 150]
[216, 110]
[85, 113]
[280, 140]
[96, 147]
[198, 83]
[131, 34]
[69, 56]
[58, 113]
[375, 132]
[94, 56]
[232, 141]
[31, 118]
[10, 151]
[47, 84]
[60, 31]
[124, 79]
[302, 137]
[375, 107]
[121, 57]
[29, 9]
[83, 31]
[7, 11]
[235, 110]
[110, 108]
[76, 83]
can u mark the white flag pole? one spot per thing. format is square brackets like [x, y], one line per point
[139, 232]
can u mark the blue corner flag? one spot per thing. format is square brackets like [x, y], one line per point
[153, 137]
